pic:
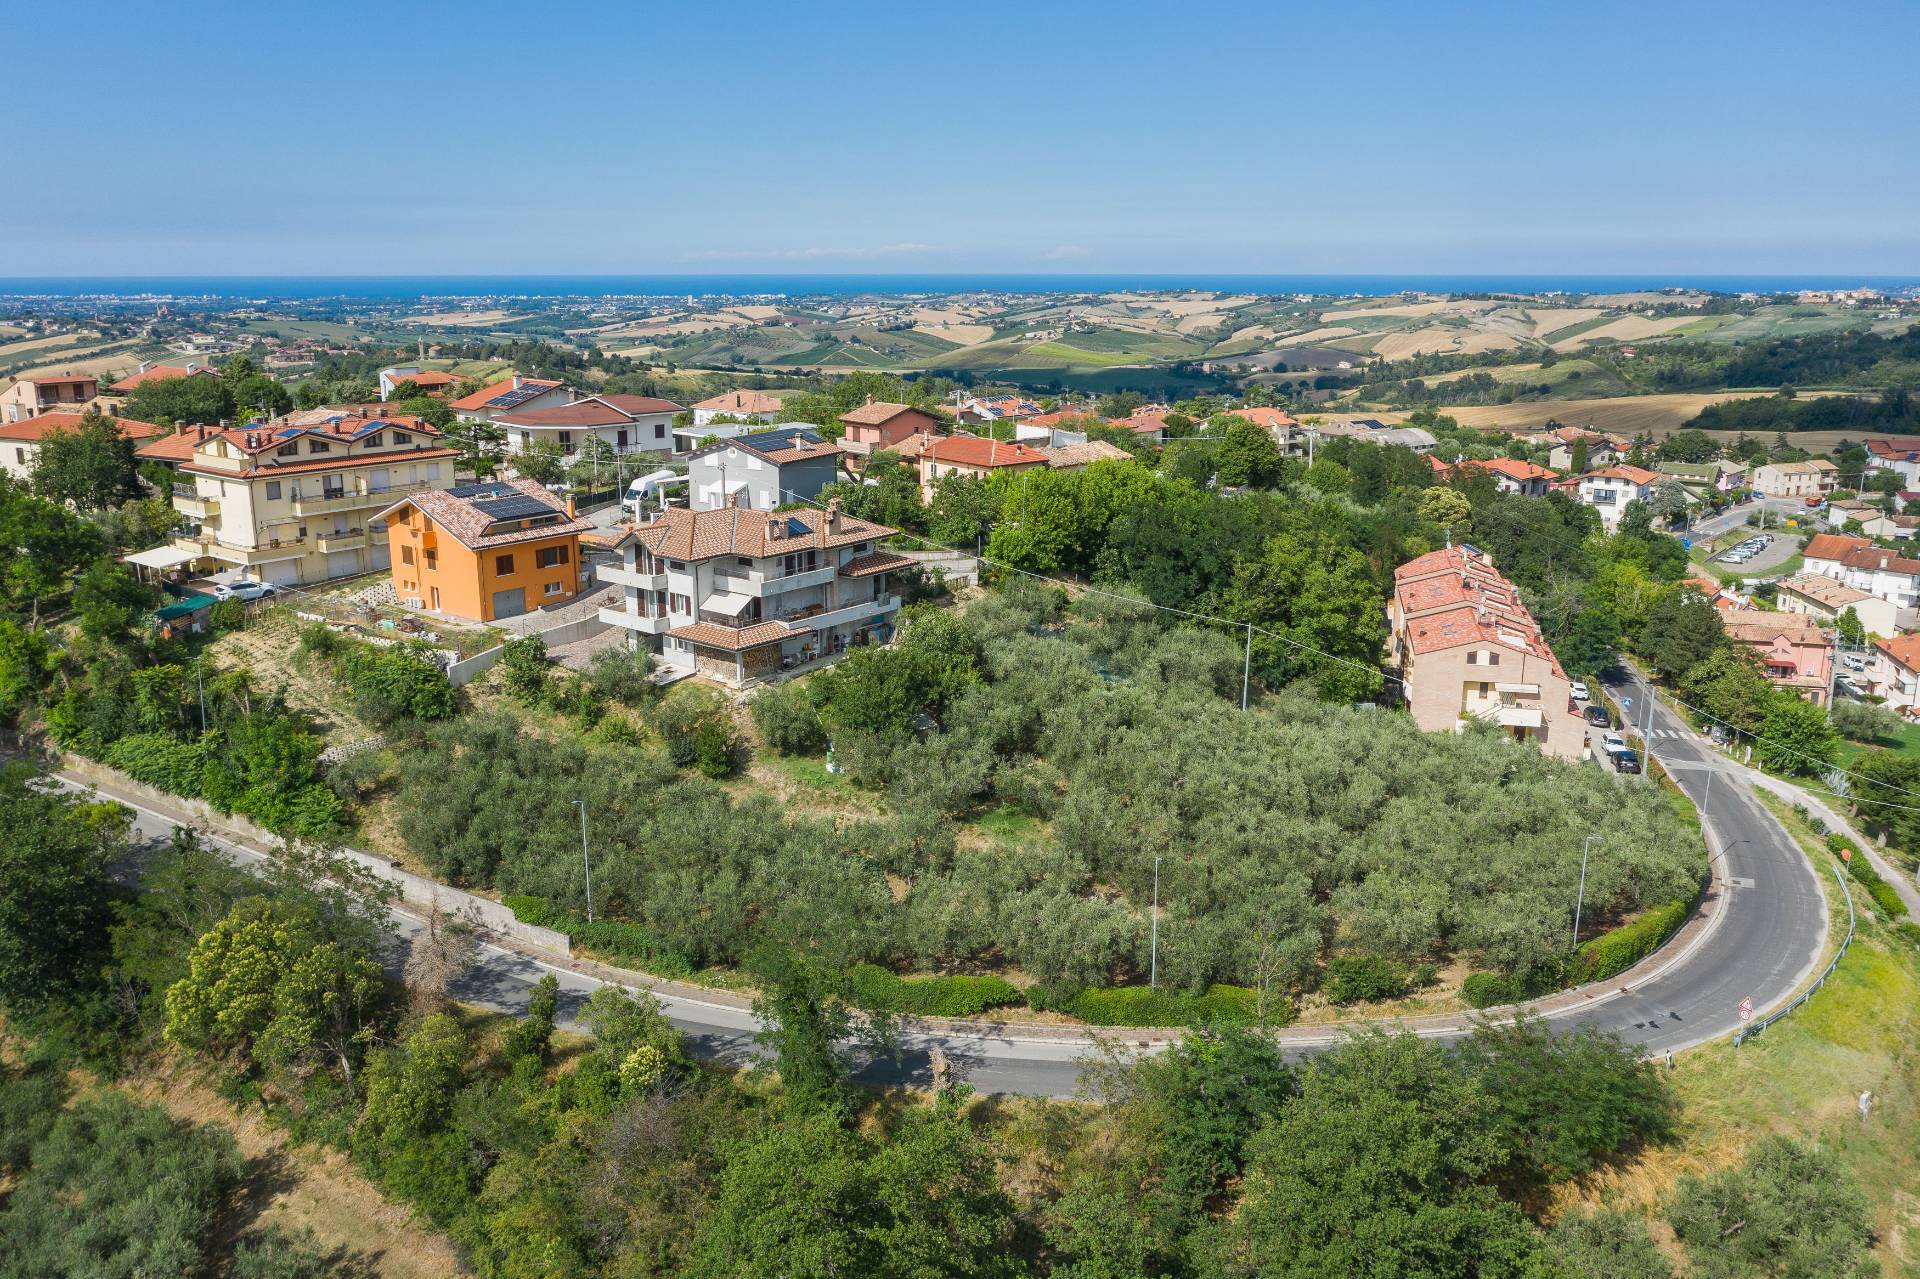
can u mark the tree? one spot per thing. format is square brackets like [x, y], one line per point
[964, 509]
[1729, 685]
[1447, 508]
[1850, 629]
[481, 447]
[1322, 600]
[198, 401]
[27, 666]
[542, 462]
[532, 1036]
[1692, 446]
[805, 1009]
[1680, 632]
[1787, 1210]
[1605, 1245]
[112, 602]
[91, 465]
[50, 546]
[54, 851]
[1797, 737]
[1591, 643]
[1247, 455]
[1863, 721]
[1669, 500]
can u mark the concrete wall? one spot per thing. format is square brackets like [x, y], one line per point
[415, 890]
[472, 668]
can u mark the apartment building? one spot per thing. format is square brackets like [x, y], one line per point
[1794, 650]
[624, 423]
[30, 396]
[740, 596]
[20, 441]
[1609, 489]
[480, 552]
[1893, 673]
[1884, 574]
[1826, 599]
[762, 469]
[1467, 649]
[298, 499]
[1816, 478]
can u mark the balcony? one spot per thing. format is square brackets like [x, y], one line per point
[281, 550]
[196, 507]
[615, 575]
[768, 586]
[821, 619]
[328, 501]
[353, 539]
[643, 623]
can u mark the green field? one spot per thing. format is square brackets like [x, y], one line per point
[1575, 330]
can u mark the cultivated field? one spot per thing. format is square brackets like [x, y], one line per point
[1660, 415]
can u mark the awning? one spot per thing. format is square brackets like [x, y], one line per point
[1520, 717]
[726, 603]
[163, 557]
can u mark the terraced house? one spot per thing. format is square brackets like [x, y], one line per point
[741, 596]
[297, 499]
[1468, 650]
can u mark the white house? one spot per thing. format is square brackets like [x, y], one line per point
[625, 423]
[750, 406]
[1884, 574]
[1901, 456]
[1610, 489]
[512, 394]
[1814, 478]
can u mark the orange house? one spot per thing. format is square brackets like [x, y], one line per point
[480, 552]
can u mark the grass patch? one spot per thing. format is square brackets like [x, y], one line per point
[1009, 825]
[1904, 742]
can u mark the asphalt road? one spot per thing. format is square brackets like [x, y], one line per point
[1765, 939]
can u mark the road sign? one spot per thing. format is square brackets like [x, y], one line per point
[1746, 1009]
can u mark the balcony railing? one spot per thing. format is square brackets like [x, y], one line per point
[350, 540]
[329, 500]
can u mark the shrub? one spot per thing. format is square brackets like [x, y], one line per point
[787, 720]
[875, 987]
[615, 940]
[398, 682]
[716, 747]
[679, 718]
[1616, 951]
[161, 761]
[1352, 979]
[318, 640]
[226, 615]
[1045, 998]
[1488, 990]
[1883, 894]
[524, 668]
[1147, 1006]
[530, 910]
[622, 675]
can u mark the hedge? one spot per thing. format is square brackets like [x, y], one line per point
[1613, 952]
[615, 940]
[1884, 895]
[1147, 1006]
[1486, 990]
[1353, 978]
[875, 987]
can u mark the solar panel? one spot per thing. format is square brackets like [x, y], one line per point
[515, 395]
[476, 490]
[515, 506]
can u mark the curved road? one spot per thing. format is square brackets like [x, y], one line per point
[1764, 939]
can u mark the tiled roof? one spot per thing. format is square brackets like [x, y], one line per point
[1146, 424]
[1760, 626]
[1904, 649]
[790, 442]
[1454, 596]
[1833, 546]
[1092, 451]
[1899, 448]
[1874, 558]
[65, 379]
[1824, 590]
[34, 429]
[336, 425]
[1514, 469]
[741, 402]
[479, 399]
[971, 450]
[595, 410]
[1631, 474]
[1062, 416]
[876, 413]
[459, 512]
[177, 447]
[875, 562]
[1264, 416]
[709, 635]
[700, 535]
[159, 373]
[425, 378]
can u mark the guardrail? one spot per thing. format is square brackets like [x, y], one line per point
[1747, 1032]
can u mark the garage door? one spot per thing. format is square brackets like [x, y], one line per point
[510, 603]
[280, 573]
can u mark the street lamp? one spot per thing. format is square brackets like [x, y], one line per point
[1153, 950]
[585, 867]
[1581, 898]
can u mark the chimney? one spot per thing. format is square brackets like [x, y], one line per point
[144, 366]
[570, 508]
[516, 381]
[833, 515]
[776, 528]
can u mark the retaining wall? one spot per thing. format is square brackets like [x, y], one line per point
[472, 668]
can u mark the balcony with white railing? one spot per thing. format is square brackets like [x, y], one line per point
[644, 623]
[327, 501]
[616, 575]
[352, 539]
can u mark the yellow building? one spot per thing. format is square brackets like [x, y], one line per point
[297, 499]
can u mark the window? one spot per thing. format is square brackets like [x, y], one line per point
[406, 555]
[566, 439]
[554, 588]
[680, 603]
[503, 564]
[373, 441]
[20, 456]
[287, 450]
[659, 430]
[319, 446]
[744, 561]
[549, 556]
[273, 490]
[433, 562]
[620, 439]
[676, 566]
[401, 437]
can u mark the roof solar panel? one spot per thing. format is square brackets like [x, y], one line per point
[477, 490]
[515, 506]
[514, 395]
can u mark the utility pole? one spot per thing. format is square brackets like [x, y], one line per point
[1246, 667]
[201, 686]
[586, 868]
[1646, 736]
[1153, 951]
[1580, 899]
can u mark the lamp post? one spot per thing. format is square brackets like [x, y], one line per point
[585, 867]
[1153, 948]
[1580, 899]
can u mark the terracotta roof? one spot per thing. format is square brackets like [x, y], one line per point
[781, 444]
[971, 450]
[1265, 416]
[354, 461]
[1875, 558]
[335, 425]
[426, 378]
[480, 397]
[65, 379]
[1514, 469]
[1071, 455]
[1631, 474]
[875, 562]
[1833, 546]
[1147, 424]
[742, 402]
[700, 535]
[877, 413]
[159, 373]
[709, 635]
[35, 429]
[458, 511]
[1899, 448]
[1760, 626]
[1824, 590]
[1904, 649]
[177, 447]
[1061, 416]
[595, 410]
[1454, 596]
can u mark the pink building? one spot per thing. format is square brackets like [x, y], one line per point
[1468, 650]
[1797, 654]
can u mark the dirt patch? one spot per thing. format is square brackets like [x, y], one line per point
[269, 649]
[296, 1188]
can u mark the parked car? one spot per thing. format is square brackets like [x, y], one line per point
[1597, 715]
[1613, 741]
[1814, 500]
[1625, 761]
[1854, 662]
[1579, 690]
[245, 591]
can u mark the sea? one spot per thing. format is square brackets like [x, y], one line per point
[400, 288]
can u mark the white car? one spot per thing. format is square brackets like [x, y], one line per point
[1579, 690]
[1613, 741]
[1854, 662]
[245, 591]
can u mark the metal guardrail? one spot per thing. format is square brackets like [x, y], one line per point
[1746, 1032]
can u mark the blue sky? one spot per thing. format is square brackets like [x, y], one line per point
[743, 137]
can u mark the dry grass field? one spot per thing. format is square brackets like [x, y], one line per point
[1451, 341]
[466, 319]
[1661, 415]
[1635, 328]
